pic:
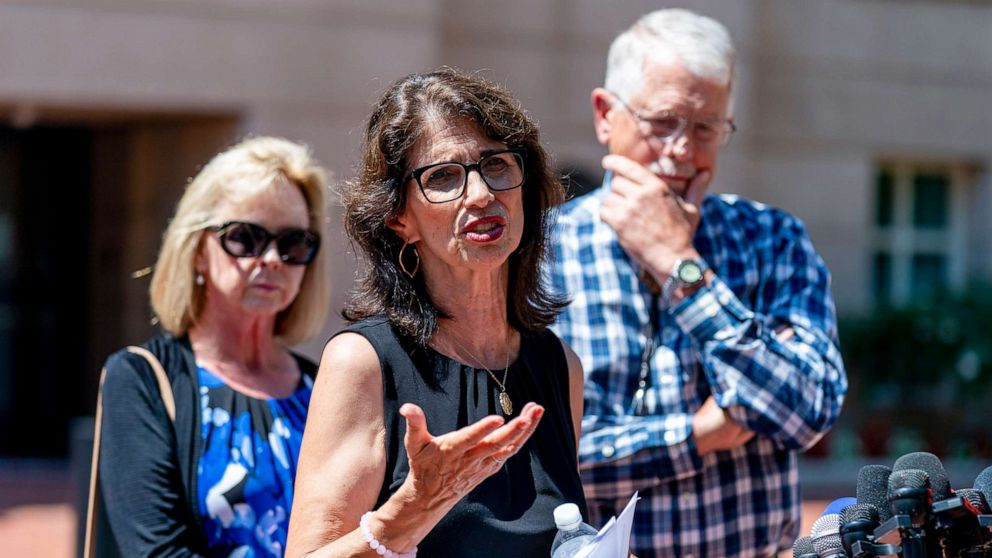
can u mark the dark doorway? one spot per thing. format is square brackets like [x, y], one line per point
[45, 184]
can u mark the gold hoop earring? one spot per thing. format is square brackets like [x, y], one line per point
[416, 268]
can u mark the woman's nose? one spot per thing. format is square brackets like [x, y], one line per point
[270, 255]
[477, 192]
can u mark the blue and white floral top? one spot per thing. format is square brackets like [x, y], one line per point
[247, 467]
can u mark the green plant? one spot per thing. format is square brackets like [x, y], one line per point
[923, 370]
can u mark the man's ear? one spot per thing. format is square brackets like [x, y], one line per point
[602, 105]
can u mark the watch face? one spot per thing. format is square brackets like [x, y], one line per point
[690, 273]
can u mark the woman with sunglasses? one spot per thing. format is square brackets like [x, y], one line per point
[445, 418]
[239, 279]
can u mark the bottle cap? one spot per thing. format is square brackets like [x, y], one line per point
[567, 516]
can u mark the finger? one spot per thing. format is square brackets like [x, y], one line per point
[529, 431]
[470, 436]
[417, 435]
[511, 437]
[526, 409]
[532, 411]
[696, 190]
[416, 422]
[613, 200]
[526, 424]
[617, 210]
[785, 333]
[503, 437]
[623, 187]
[610, 214]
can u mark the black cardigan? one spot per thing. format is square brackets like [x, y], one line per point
[148, 464]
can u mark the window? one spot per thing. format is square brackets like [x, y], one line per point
[920, 231]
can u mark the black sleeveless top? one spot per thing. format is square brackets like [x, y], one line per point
[510, 513]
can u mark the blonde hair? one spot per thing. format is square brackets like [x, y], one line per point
[239, 173]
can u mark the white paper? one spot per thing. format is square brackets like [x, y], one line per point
[613, 540]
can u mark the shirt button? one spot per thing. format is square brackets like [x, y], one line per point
[687, 498]
[608, 451]
[667, 379]
[669, 436]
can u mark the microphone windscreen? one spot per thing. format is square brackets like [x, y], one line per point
[975, 498]
[828, 546]
[873, 486]
[983, 483]
[931, 465]
[802, 547]
[908, 478]
[859, 512]
[839, 504]
[825, 526]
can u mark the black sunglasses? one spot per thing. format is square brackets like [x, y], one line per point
[248, 240]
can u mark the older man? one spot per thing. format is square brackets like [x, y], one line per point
[705, 323]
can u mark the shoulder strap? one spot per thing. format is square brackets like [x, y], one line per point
[164, 387]
[93, 500]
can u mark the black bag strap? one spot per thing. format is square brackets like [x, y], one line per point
[93, 515]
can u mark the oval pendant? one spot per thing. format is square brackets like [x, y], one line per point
[506, 403]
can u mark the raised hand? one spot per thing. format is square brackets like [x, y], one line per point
[445, 468]
[654, 221]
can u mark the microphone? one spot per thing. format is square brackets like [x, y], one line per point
[873, 485]
[825, 535]
[957, 521]
[909, 497]
[982, 501]
[857, 525]
[829, 547]
[952, 522]
[803, 548]
[976, 499]
[908, 511]
[983, 483]
[838, 505]
[930, 464]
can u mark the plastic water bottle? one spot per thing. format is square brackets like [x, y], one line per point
[573, 534]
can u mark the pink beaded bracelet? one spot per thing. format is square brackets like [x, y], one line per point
[378, 546]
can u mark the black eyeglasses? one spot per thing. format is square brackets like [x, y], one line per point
[248, 240]
[444, 182]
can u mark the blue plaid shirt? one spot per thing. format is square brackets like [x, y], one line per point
[720, 341]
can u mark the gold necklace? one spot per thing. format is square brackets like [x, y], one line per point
[504, 398]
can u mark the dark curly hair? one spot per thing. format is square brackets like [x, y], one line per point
[400, 118]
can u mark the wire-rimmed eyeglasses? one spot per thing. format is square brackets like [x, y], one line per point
[443, 182]
[666, 125]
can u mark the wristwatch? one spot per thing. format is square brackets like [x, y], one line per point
[685, 273]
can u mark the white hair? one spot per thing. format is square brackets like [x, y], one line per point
[700, 44]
